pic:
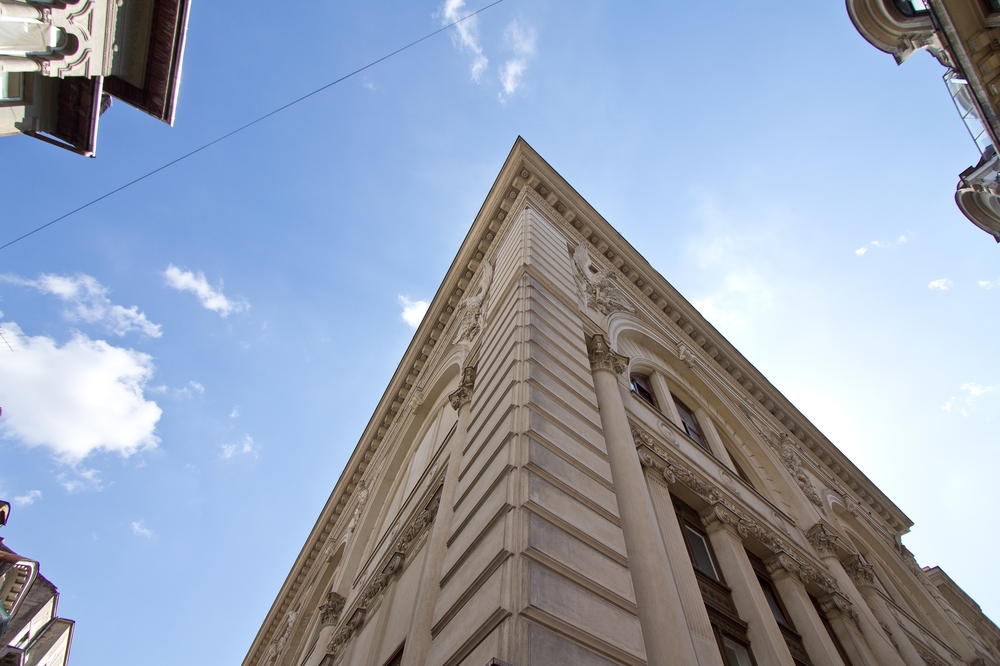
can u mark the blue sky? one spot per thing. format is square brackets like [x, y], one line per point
[214, 339]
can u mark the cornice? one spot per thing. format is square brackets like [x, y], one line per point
[525, 176]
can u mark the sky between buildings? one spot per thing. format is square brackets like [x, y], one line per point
[195, 358]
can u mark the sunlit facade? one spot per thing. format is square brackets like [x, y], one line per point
[571, 466]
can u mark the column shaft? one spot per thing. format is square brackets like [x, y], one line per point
[664, 628]
[766, 640]
[863, 576]
[800, 607]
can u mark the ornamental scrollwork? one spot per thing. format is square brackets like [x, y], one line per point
[835, 603]
[824, 540]
[603, 358]
[330, 610]
[727, 511]
[862, 574]
[598, 286]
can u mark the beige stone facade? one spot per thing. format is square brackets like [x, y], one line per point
[964, 36]
[571, 466]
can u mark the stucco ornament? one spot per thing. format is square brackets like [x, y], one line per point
[359, 507]
[330, 610]
[473, 308]
[598, 286]
[277, 646]
[686, 356]
[789, 452]
[603, 358]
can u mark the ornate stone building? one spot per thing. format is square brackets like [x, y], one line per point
[964, 36]
[62, 61]
[571, 466]
[31, 634]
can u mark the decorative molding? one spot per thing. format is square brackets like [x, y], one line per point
[788, 450]
[929, 657]
[603, 358]
[728, 511]
[473, 308]
[330, 610]
[463, 393]
[835, 604]
[599, 286]
[862, 574]
[686, 356]
[824, 539]
[379, 583]
[278, 644]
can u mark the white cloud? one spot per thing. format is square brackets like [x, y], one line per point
[85, 479]
[87, 300]
[882, 244]
[413, 311]
[236, 412]
[944, 284]
[139, 529]
[964, 404]
[466, 35]
[245, 446]
[986, 284]
[28, 498]
[211, 299]
[522, 43]
[74, 399]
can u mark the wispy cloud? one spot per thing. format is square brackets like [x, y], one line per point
[140, 530]
[878, 244]
[74, 399]
[965, 404]
[466, 35]
[80, 479]
[413, 311]
[944, 284]
[521, 41]
[235, 413]
[87, 300]
[987, 284]
[245, 446]
[210, 298]
[28, 498]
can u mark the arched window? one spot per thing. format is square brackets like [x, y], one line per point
[911, 8]
[643, 388]
[690, 423]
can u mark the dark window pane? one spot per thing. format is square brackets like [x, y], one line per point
[736, 654]
[691, 426]
[641, 385]
[772, 601]
[702, 556]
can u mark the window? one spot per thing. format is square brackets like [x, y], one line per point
[911, 8]
[641, 385]
[691, 426]
[701, 556]
[992, 6]
[739, 470]
[772, 602]
[11, 86]
[736, 654]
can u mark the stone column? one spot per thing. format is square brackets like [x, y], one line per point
[766, 640]
[844, 622]
[698, 622]
[819, 645]
[664, 628]
[419, 638]
[827, 544]
[863, 576]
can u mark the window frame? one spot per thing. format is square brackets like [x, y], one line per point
[641, 382]
[701, 439]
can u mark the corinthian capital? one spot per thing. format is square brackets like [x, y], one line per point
[862, 574]
[836, 604]
[603, 358]
[463, 393]
[824, 540]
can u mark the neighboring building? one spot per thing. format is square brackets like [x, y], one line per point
[31, 634]
[964, 36]
[61, 63]
[571, 466]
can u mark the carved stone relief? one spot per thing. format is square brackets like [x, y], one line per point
[729, 512]
[463, 393]
[599, 288]
[472, 309]
[790, 458]
[603, 358]
[330, 610]
[686, 356]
